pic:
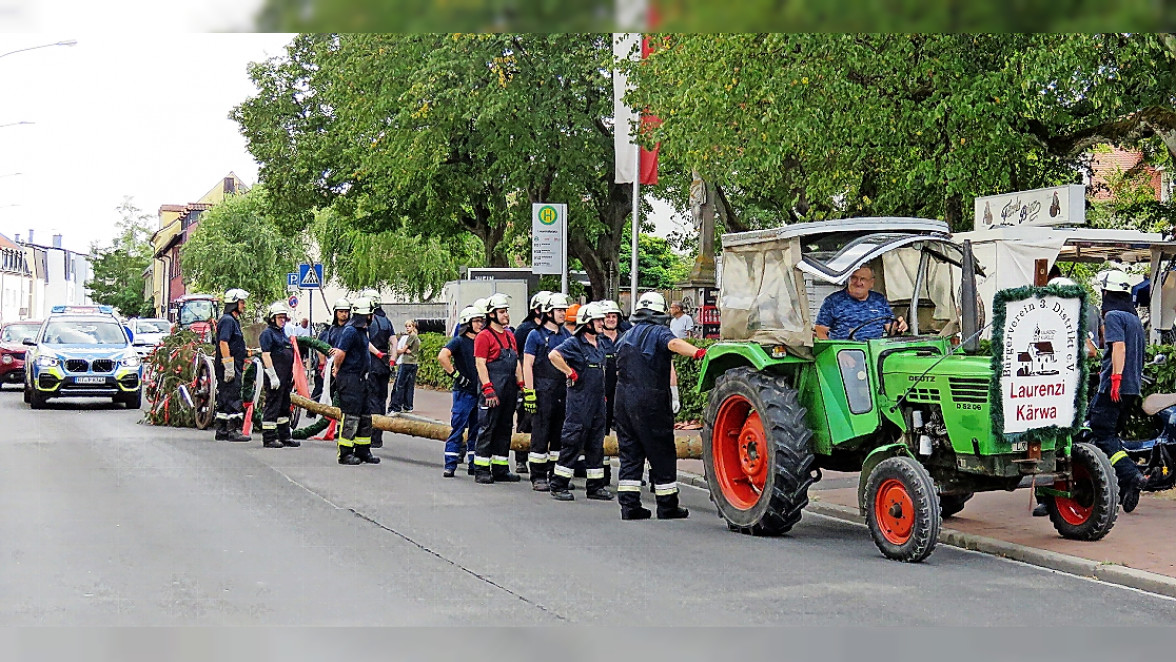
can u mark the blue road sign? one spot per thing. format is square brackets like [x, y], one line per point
[293, 301]
[310, 276]
[292, 279]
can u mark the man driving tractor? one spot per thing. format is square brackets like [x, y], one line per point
[857, 305]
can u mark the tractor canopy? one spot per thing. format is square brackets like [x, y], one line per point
[774, 281]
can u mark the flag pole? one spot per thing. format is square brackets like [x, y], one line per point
[636, 228]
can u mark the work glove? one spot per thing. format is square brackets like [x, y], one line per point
[230, 369]
[530, 404]
[675, 403]
[573, 377]
[461, 381]
[489, 395]
[274, 382]
[699, 353]
[1116, 384]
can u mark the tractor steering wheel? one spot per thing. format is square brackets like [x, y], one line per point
[888, 319]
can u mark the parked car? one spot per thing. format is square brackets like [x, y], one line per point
[12, 350]
[147, 333]
[82, 351]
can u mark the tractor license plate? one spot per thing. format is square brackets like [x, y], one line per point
[90, 380]
[1020, 446]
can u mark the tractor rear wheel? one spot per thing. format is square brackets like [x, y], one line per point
[901, 509]
[756, 452]
[951, 504]
[1089, 512]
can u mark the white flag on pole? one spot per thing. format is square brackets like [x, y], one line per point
[626, 46]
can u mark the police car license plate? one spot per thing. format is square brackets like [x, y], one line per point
[90, 380]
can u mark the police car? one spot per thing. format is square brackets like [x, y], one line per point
[82, 351]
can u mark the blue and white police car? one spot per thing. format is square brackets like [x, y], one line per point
[82, 351]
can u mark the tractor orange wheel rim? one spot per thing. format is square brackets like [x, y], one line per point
[739, 448]
[894, 511]
[1077, 508]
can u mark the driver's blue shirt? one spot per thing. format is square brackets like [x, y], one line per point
[843, 313]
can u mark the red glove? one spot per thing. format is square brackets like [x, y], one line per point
[1116, 383]
[699, 353]
[572, 377]
[489, 394]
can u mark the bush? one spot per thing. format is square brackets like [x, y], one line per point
[693, 403]
[430, 373]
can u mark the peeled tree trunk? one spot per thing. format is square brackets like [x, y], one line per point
[689, 448]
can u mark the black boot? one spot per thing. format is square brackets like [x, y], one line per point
[559, 489]
[539, 479]
[347, 455]
[235, 426]
[483, 477]
[637, 513]
[364, 452]
[502, 474]
[377, 438]
[285, 438]
[269, 439]
[599, 493]
[668, 508]
[222, 430]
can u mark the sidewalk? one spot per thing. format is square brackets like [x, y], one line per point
[1140, 540]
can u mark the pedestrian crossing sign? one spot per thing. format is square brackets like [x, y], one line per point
[310, 276]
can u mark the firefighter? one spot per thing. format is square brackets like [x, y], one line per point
[231, 355]
[381, 336]
[500, 375]
[582, 360]
[351, 360]
[342, 314]
[644, 418]
[277, 355]
[534, 321]
[544, 390]
[457, 360]
[612, 330]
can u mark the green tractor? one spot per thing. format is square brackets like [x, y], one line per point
[912, 413]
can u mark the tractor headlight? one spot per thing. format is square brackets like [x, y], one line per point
[48, 361]
[131, 361]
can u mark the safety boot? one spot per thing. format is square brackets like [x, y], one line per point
[377, 439]
[561, 494]
[347, 456]
[668, 508]
[637, 513]
[222, 430]
[364, 453]
[448, 473]
[272, 443]
[599, 494]
[540, 485]
[285, 438]
[505, 476]
[234, 431]
[483, 478]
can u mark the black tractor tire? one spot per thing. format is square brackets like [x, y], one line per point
[1091, 513]
[36, 400]
[952, 504]
[907, 533]
[204, 394]
[789, 456]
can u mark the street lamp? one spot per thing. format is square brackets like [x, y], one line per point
[67, 42]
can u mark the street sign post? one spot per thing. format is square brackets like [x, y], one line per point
[310, 276]
[549, 246]
[292, 281]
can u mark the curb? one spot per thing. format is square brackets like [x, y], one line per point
[1118, 575]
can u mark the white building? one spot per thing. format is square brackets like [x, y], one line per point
[40, 277]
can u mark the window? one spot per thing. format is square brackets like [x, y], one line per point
[855, 377]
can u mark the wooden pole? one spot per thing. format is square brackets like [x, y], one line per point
[689, 448]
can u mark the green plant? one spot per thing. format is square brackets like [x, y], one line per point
[693, 402]
[430, 373]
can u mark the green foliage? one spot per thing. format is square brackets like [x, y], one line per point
[166, 369]
[658, 266]
[118, 268]
[813, 126]
[693, 402]
[237, 245]
[429, 372]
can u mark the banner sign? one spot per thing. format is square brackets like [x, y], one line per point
[1038, 357]
[548, 238]
[1059, 205]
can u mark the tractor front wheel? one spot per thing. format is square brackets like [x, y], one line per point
[902, 511]
[756, 452]
[1089, 512]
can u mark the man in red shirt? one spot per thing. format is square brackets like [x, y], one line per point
[500, 373]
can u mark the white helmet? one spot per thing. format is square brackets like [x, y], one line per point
[236, 294]
[362, 306]
[497, 302]
[556, 300]
[342, 303]
[480, 304]
[469, 314]
[1113, 280]
[587, 313]
[1061, 280]
[610, 306]
[652, 301]
[373, 295]
[539, 300]
[277, 308]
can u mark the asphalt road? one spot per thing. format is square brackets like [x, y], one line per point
[107, 522]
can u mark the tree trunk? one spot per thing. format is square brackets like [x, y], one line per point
[953, 212]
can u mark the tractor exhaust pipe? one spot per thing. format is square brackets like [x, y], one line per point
[969, 315]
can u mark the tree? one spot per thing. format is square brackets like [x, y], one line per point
[441, 136]
[237, 245]
[118, 269]
[658, 266]
[805, 126]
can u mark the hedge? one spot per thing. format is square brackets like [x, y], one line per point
[431, 375]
